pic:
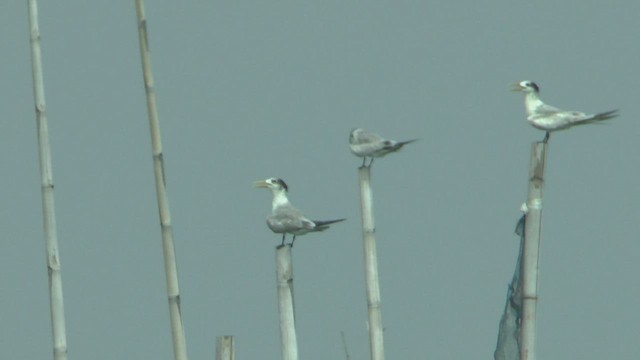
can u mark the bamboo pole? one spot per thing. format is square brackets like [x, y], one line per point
[225, 348]
[531, 255]
[171, 272]
[371, 265]
[284, 276]
[56, 299]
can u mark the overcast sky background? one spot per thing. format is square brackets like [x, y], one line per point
[253, 89]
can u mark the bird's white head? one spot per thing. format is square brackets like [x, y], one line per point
[526, 86]
[353, 136]
[275, 184]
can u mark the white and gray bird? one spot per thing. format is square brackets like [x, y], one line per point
[366, 144]
[549, 118]
[285, 218]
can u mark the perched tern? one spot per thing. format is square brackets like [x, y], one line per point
[285, 218]
[549, 118]
[367, 144]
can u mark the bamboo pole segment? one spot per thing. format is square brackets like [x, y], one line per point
[531, 255]
[225, 348]
[371, 265]
[56, 299]
[171, 272]
[284, 276]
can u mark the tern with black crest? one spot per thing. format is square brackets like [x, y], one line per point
[548, 118]
[285, 218]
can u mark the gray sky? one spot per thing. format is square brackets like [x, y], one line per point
[254, 89]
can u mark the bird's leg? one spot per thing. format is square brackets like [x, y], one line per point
[546, 138]
[371, 162]
[283, 235]
[364, 160]
[292, 241]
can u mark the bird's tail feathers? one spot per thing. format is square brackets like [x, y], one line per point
[397, 146]
[596, 119]
[324, 224]
[601, 117]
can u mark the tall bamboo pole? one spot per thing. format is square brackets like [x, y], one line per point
[171, 272]
[531, 251]
[225, 348]
[56, 300]
[371, 265]
[284, 276]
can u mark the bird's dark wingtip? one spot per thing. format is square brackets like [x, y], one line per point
[608, 114]
[403, 143]
[328, 222]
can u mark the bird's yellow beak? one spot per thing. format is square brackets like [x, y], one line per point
[516, 87]
[260, 184]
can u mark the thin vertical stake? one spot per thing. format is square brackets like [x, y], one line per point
[284, 279]
[171, 272]
[376, 339]
[225, 348]
[56, 299]
[531, 251]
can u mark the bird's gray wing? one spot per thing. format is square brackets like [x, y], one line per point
[545, 109]
[389, 146]
[369, 148]
[551, 122]
[361, 136]
[566, 119]
[288, 219]
[368, 138]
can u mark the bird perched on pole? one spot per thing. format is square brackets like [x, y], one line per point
[549, 118]
[367, 144]
[285, 218]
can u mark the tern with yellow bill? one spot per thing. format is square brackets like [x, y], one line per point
[549, 118]
[285, 218]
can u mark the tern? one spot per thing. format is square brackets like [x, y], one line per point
[549, 118]
[285, 218]
[367, 144]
